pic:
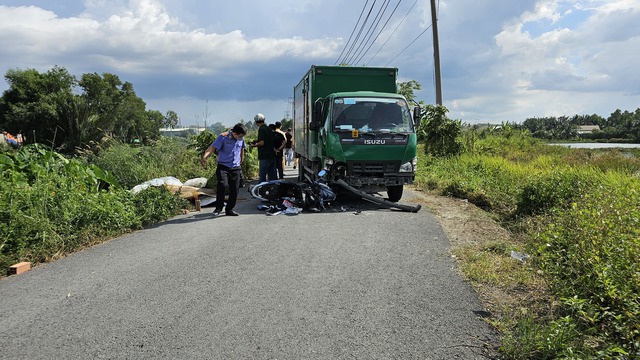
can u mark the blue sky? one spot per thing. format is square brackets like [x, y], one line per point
[501, 60]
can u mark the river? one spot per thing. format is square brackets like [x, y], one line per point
[598, 145]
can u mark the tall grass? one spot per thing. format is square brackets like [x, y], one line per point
[578, 213]
[51, 205]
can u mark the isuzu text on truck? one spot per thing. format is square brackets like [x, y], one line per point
[352, 123]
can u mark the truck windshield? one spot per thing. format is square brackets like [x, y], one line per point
[368, 114]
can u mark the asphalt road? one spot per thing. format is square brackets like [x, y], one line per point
[352, 282]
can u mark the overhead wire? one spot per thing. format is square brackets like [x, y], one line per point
[352, 32]
[359, 33]
[414, 40]
[379, 32]
[392, 33]
[370, 32]
[411, 43]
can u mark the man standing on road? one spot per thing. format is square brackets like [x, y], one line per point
[279, 142]
[230, 148]
[266, 152]
[288, 149]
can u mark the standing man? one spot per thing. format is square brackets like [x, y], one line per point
[266, 152]
[279, 142]
[288, 148]
[230, 147]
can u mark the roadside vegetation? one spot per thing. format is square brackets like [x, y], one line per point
[566, 283]
[568, 279]
[53, 204]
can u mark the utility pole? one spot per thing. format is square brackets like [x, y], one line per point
[206, 113]
[436, 52]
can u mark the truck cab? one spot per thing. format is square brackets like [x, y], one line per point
[366, 137]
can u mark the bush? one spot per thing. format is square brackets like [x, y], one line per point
[132, 166]
[546, 191]
[51, 206]
[591, 257]
[577, 214]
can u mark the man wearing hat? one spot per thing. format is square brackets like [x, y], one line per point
[266, 152]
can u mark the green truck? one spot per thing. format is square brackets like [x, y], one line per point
[352, 123]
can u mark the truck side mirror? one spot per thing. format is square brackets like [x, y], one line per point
[417, 115]
[314, 125]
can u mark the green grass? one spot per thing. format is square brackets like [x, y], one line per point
[577, 212]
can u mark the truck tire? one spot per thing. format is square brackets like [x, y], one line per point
[394, 192]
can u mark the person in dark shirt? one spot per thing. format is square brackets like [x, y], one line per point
[230, 148]
[266, 152]
[279, 142]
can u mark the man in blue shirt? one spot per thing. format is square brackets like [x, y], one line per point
[230, 148]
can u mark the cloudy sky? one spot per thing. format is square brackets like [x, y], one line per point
[501, 60]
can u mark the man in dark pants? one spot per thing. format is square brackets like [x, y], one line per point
[279, 141]
[266, 152]
[230, 148]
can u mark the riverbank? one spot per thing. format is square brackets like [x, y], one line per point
[597, 145]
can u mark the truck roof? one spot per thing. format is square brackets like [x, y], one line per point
[325, 80]
[366, 94]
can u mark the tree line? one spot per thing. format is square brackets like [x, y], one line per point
[57, 109]
[620, 126]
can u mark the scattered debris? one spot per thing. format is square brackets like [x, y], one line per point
[519, 256]
[291, 198]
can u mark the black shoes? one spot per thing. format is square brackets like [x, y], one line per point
[217, 212]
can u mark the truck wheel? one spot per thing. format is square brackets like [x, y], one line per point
[394, 193]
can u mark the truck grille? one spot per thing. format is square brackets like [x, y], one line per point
[370, 167]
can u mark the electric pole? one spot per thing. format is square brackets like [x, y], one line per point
[436, 52]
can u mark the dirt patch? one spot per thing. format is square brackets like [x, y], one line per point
[464, 223]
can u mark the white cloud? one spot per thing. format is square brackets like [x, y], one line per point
[501, 59]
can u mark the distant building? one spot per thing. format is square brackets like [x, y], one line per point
[182, 131]
[588, 129]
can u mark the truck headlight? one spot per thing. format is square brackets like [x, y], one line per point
[409, 166]
[327, 164]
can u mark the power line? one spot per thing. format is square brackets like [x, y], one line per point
[359, 32]
[379, 32]
[370, 31]
[411, 43]
[352, 32]
[393, 33]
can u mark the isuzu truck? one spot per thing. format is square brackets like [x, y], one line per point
[352, 123]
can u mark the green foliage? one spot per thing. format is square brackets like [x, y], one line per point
[547, 191]
[56, 109]
[591, 256]
[532, 340]
[135, 165]
[407, 89]
[51, 205]
[620, 126]
[584, 236]
[439, 133]
[155, 204]
[170, 119]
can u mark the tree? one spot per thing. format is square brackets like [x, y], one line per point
[56, 109]
[170, 119]
[40, 105]
[440, 133]
[406, 89]
[218, 128]
[121, 113]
